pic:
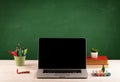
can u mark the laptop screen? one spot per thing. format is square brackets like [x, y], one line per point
[62, 53]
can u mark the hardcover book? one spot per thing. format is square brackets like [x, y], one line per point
[97, 62]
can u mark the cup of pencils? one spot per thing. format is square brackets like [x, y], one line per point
[19, 55]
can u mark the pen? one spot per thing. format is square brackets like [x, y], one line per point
[25, 52]
[20, 52]
[14, 53]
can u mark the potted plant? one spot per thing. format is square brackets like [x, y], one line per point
[94, 52]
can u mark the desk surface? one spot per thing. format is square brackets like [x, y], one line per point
[8, 73]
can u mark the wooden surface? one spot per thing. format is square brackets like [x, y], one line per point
[8, 73]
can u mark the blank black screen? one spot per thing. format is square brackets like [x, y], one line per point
[62, 53]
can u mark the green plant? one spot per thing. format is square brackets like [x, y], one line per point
[94, 50]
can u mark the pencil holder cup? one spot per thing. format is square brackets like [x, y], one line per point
[20, 61]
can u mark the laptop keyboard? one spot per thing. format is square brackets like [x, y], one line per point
[61, 71]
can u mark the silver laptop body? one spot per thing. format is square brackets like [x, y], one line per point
[62, 58]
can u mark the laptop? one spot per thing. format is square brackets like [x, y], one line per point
[62, 58]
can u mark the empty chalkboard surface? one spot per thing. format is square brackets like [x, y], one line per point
[24, 21]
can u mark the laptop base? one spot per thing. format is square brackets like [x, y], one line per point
[82, 75]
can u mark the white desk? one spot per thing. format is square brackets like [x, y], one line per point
[8, 73]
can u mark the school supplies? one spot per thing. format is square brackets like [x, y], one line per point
[25, 51]
[102, 72]
[19, 55]
[14, 53]
[19, 51]
[97, 62]
[20, 61]
[22, 72]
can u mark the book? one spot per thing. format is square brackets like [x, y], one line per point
[97, 62]
[96, 66]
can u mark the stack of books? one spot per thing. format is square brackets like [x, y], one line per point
[97, 62]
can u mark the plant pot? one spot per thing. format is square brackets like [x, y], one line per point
[94, 54]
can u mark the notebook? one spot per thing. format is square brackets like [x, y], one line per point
[62, 58]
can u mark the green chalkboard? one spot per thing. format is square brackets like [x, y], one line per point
[24, 21]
